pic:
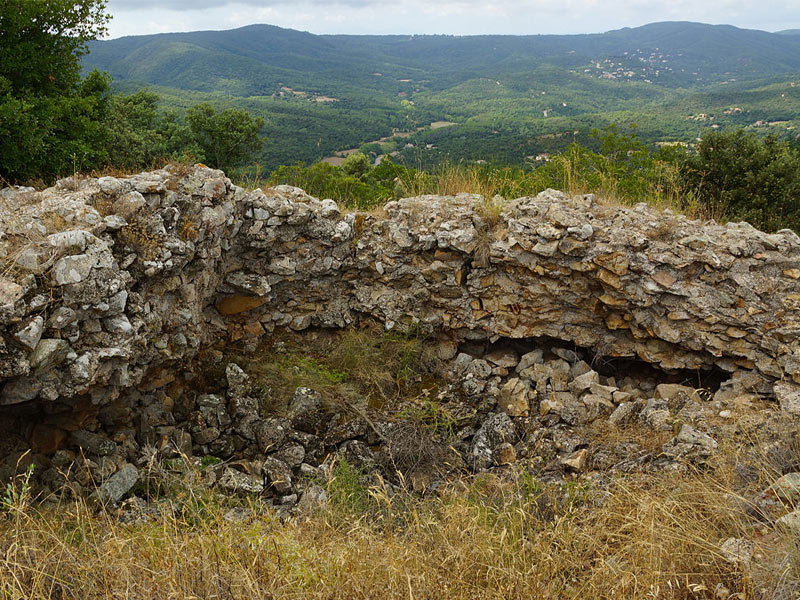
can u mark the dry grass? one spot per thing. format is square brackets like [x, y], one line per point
[17, 236]
[662, 187]
[449, 179]
[137, 234]
[641, 537]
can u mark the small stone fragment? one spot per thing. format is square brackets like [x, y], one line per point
[30, 335]
[240, 483]
[513, 398]
[119, 484]
[505, 454]
[576, 461]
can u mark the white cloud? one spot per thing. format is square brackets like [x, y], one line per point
[446, 16]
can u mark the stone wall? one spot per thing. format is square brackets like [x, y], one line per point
[109, 286]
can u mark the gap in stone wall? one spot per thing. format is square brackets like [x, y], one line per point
[608, 366]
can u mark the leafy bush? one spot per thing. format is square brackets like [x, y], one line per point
[747, 178]
[227, 137]
[355, 184]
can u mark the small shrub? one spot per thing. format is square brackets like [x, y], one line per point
[347, 493]
[17, 494]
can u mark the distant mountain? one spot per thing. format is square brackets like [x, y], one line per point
[789, 32]
[259, 59]
[504, 98]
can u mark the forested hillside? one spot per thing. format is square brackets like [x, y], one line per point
[511, 97]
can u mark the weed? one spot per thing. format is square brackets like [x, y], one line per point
[17, 494]
[347, 493]
[346, 367]
[642, 536]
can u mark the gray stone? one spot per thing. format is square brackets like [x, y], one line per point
[329, 209]
[514, 398]
[737, 551]
[214, 410]
[690, 441]
[497, 429]
[92, 443]
[568, 355]
[34, 259]
[503, 358]
[205, 436]
[10, 294]
[240, 483]
[270, 434]
[305, 410]
[584, 382]
[529, 359]
[118, 324]
[671, 391]
[788, 395]
[656, 415]
[624, 413]
[790, 523]
[786, 488]
[313, 500]
[119, 484]
[238, 514]
[576, 461]
[249, 283]
[579, 368]
[129, 204]
[292, 454]
[30, 335]
[238, 381]
[603, 391]
[73, 269]
[278, 475]
[73, 239]
[49, 353]
[62, 317]
[21, 389]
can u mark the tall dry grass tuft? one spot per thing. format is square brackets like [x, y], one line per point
[574, 171]
[449, 179]
[643, 536]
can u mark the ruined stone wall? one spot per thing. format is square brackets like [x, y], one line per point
[110, 288]
[109, 284]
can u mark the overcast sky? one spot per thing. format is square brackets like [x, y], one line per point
[133, 17]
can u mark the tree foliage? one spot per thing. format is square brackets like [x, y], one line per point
[747, 178]
[356, 185]
[50, 119]
[140, 134]
[228, 137]
[43, 40]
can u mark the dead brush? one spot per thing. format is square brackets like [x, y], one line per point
[180, 169]
[417, 447]
[488, 227]
[137, 235]
[17, 235]
[188, 230]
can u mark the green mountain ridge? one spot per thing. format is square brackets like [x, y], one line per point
[714, 51]
[509, 94]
